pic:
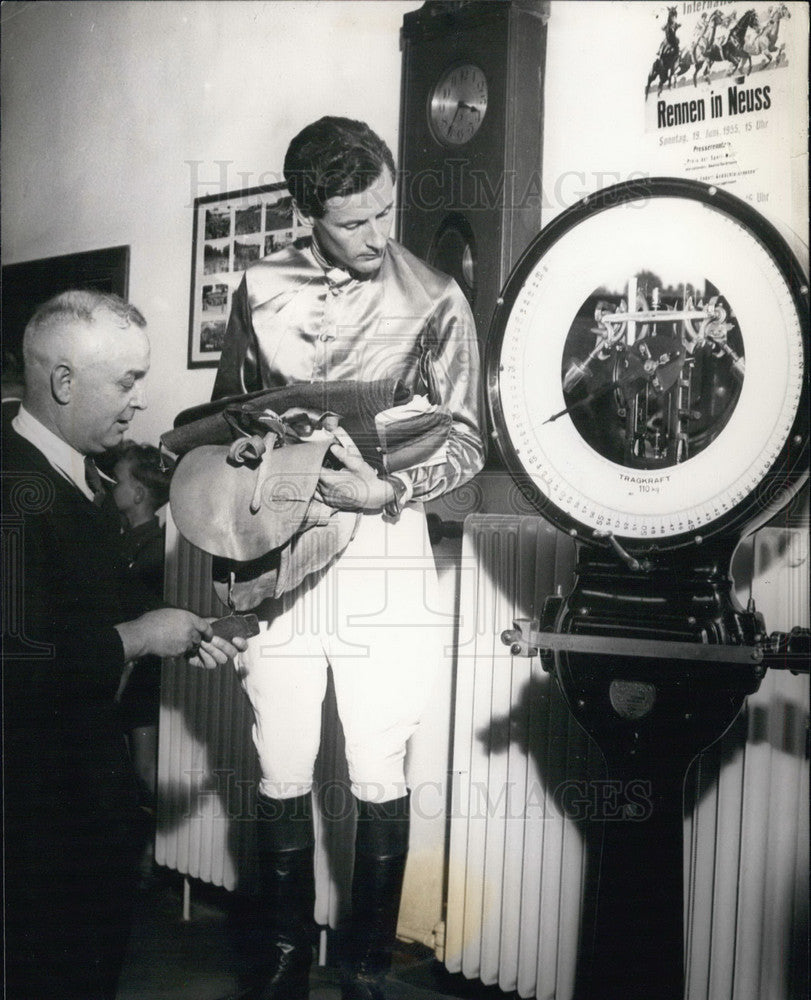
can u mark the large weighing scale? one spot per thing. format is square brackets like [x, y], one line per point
[647, 384]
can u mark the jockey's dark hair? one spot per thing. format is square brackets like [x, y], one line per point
[333, 157]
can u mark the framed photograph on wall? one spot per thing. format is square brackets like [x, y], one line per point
[231, 232]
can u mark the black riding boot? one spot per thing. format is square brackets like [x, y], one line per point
[285, 850]
[381, 846]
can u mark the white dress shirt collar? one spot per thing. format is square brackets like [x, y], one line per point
[62, 456]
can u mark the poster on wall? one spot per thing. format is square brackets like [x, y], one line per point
[231, 232]
[718, 88]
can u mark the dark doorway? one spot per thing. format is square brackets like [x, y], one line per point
[27, 285]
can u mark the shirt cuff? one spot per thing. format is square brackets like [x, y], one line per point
[405, 497]
[403, 491]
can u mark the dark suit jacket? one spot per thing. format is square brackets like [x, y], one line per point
[70, 588]
[70, 798]
[143, 548]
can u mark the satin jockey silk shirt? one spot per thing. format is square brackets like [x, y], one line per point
[294, 318]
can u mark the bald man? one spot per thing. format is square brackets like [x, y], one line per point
[71, 816]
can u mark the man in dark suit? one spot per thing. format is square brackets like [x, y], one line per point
[71, 808]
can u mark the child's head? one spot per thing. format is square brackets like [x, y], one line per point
[142, 486]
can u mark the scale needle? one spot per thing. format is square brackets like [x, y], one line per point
[586, 399]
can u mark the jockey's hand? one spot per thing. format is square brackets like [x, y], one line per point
[355, 487]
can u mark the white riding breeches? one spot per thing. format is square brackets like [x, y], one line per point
[374, 618]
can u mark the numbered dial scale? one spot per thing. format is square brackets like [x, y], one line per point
[647, 366]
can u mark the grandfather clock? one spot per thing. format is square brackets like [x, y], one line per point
[471, 126]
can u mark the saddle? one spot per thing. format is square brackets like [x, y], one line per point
[244, 487]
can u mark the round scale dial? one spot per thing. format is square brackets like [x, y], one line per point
[457, 104]
[647, 371]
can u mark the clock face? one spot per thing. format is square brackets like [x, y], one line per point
[457, 104]
[647, 368]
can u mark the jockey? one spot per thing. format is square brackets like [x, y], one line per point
[670, 43]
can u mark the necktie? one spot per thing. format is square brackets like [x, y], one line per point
[93, 480]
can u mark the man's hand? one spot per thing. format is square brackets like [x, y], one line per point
[174, 632]
[355, 487]
[216, 651]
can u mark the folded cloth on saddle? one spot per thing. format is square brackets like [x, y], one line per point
[413, 434]
[356, 403]
[429, 449]
[397, 433]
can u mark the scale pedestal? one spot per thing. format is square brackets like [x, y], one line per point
[650, 714]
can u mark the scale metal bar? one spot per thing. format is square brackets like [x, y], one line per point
[655, 316]
[660, 649]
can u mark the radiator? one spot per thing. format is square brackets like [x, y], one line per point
[516, 861]
[205, 769]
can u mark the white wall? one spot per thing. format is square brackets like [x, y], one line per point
[117, 115]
